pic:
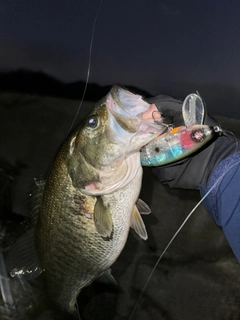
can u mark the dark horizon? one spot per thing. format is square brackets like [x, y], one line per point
[216, 96]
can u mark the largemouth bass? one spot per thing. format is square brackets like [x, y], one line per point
[89, 201]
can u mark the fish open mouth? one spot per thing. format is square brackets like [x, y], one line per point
[127, 108]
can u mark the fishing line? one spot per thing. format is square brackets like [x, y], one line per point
[89, 67]
[177, 232]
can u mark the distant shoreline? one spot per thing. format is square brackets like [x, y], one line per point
[25, 81]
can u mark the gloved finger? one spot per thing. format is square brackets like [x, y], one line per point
[172, 116]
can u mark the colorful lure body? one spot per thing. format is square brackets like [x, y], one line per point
[180, 142]
[176, 144]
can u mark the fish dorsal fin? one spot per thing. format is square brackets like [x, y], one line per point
[143, 208]
[103, 218]
[107, 277]
[137, 224]
[36, 198]
[22, 258]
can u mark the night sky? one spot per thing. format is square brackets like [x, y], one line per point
[171, 47]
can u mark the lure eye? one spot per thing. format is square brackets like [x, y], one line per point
[198, 135]
[92, 122]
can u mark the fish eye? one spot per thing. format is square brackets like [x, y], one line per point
[198, 135]
[92, 122]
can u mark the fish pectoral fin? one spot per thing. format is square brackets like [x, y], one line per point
[143, 208]
[137, 224]
[107, 277]
[103, 218]
[22, 258]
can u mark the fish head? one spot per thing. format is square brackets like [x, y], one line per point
[103, 152]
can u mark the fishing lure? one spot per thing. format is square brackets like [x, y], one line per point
[178, 143]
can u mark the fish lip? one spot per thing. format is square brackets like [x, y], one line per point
[114, 91]
[115, 94]
[121, 111]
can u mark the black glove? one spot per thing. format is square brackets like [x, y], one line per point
[171, 110]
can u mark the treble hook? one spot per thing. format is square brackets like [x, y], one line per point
[168, 126]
